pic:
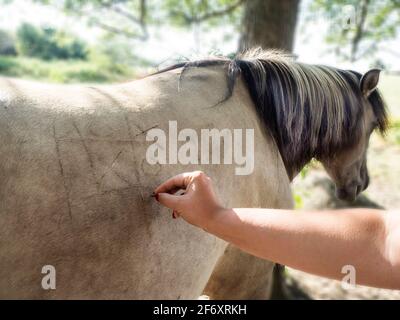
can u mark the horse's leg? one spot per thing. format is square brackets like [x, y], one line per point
[238, 275]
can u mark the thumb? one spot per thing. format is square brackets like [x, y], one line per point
[169, 200]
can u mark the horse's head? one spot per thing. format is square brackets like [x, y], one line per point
[348, 166]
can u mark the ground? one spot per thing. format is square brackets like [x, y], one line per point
[300, 285]
[314, 190]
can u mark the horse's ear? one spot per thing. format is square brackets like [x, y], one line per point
[369, 82]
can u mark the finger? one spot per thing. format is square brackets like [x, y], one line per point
[177, 182]
[169, 200]
[176, 191]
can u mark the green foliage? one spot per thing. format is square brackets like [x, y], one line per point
[63, 71]
[116, 52]
[394, 131]
[304, 171]
[356, 27]
[48, 43]
[7, 64]
[309, 166]
[130, 18]
[7, 44]
[298, 201]
[215, 12]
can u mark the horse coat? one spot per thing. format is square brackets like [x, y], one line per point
[75, 190]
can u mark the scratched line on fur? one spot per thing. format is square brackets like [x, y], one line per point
[62, 172]
[111, 167]
[87, 151]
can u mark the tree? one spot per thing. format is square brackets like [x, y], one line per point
[7, 45]
[357, 27]
[131, 18]
[48, 43]
[269, 24]
[266, 23]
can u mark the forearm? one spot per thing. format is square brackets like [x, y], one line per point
[318, 242]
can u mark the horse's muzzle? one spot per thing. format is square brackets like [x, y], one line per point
[348, 194]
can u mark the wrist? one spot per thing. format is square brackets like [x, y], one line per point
[217, 219]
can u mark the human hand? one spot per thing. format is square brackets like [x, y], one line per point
[198, 205]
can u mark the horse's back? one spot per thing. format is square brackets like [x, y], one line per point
[75, 186]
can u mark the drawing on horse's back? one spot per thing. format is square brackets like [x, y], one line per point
[75, 181]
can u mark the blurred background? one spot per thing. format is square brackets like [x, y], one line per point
[103, 41]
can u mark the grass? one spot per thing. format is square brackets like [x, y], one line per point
[389, 86]
[393, 134]
[63, 71]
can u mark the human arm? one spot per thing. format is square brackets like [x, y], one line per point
[319, 242]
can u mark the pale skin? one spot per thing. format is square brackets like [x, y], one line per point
[319, 242]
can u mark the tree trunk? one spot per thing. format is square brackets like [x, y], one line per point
[359, 30]
[269, 24]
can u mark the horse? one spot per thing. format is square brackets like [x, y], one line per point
[75, 183]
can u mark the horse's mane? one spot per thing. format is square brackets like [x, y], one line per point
[311, 110]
